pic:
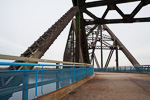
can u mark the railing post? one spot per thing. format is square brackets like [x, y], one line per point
[72, 70]
[42, 81]
[60, 78]
[36, 83]
[86, 70]
[74, 75]
[57, 76]
[92, 70]
[25, 86]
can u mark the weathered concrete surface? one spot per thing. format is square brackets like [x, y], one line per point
[113, 86]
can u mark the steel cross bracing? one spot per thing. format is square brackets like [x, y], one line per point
[112, 6]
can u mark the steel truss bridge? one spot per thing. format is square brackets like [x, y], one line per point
[85, 34]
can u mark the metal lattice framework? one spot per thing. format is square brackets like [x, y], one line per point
[85, 33]
[112, 5]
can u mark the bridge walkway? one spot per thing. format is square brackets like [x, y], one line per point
[113, 86]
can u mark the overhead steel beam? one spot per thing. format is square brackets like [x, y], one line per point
[106, 2]
[112, 5]
[113, 21]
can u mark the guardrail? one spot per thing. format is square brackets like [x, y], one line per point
[32, 60]
[144, 68]
[30, 84]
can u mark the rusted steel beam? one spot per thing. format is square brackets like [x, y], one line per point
[113, 21]
[126, 18]
[123, 48]
[109, 58]
[38, 48]
[137, 9]
[106, 2]
[91, 30]
[90, 14]
[69, 54]
[96, 61]
[83, 45]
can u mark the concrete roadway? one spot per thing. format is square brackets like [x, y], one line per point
[113, 86]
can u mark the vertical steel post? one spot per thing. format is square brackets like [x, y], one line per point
[77, 38]
[92, 54]
[117, 63]
[101, 46]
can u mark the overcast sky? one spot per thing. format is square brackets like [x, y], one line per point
[23, 21]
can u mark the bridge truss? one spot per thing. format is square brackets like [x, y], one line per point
[85, 33]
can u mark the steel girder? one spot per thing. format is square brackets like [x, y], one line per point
[112, 5]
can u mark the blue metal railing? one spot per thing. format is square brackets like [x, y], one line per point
[145, 68]
[29, 84]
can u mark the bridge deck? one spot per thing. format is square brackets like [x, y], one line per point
[113, 86]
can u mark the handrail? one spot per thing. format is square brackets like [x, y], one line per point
[34, 64]
[9, 57]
